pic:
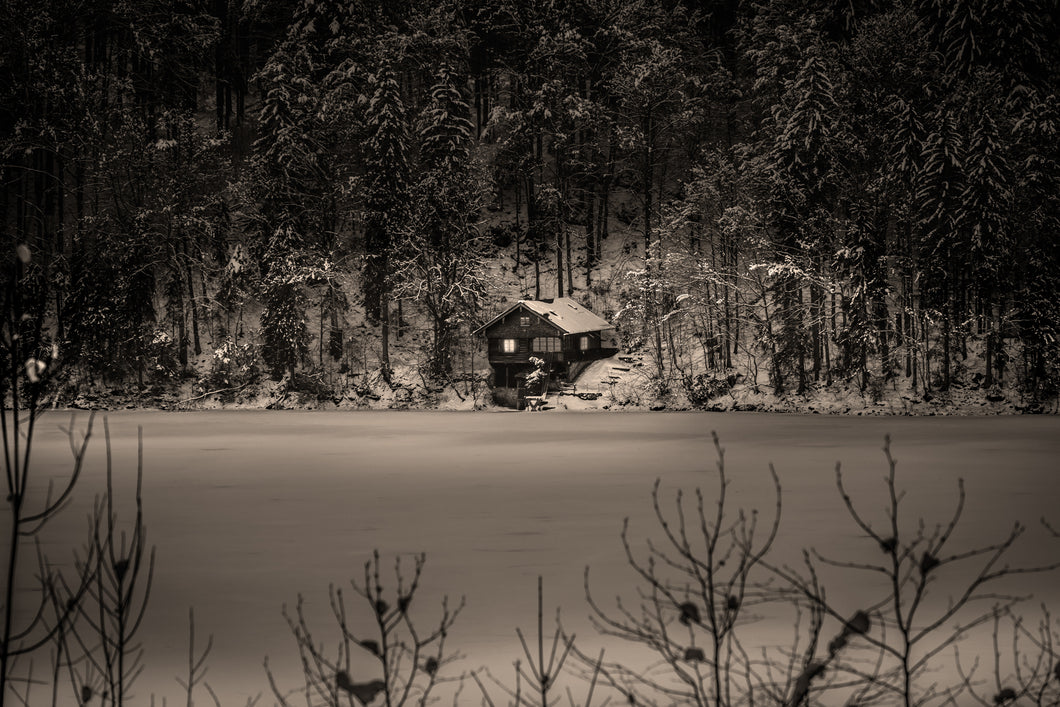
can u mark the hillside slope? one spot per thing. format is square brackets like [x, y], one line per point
[228, 373]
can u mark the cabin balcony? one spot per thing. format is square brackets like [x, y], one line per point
[524, 357]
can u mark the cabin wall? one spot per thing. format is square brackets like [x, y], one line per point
[510, 328]
[510, 375]
[572, 350]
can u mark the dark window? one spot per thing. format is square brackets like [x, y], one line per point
[524, 320]
[546, 343]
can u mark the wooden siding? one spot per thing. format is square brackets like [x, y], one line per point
[572, 346]
[510, 328]
[570, 350]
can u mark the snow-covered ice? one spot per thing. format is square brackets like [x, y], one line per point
[248, 509]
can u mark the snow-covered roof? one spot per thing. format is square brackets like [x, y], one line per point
[562, 312]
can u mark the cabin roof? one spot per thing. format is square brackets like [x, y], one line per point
[563, 313]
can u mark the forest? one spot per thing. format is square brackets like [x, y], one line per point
[798, 195]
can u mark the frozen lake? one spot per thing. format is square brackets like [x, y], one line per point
[249, 508]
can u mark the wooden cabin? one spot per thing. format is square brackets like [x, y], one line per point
[561, 332]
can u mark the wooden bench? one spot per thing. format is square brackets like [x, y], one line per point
[535, 402]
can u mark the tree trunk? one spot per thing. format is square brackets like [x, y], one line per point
[798, 322]
[537, 279]
[191, 302]
[926, 333]
[570, 271]
[815, 314]
[559, 260]
[384, 326]
[220, 66]
[777, 374]
[182, 337]
[647, 177]
[989, 355]
[320, 338]
[947, 320]
[477, 87]
[590, 238]
[532, 230]
[729, 335]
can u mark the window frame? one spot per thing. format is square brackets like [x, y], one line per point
[509, 346]
[549, 344]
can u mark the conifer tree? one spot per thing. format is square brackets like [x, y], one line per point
[439, 259]
[386, 175]
[285, 184]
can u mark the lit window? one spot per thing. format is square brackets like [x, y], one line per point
[508, 345]
[583, 343]
[524, 320]
[546, 343]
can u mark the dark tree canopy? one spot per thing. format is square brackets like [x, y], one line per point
[826, 194]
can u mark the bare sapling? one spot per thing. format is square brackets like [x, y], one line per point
[51, 618]
[1025, 666]
[1025, 658]
[102, 653]
[903, 632]
[197, 668]
[386, 654]
[699, 588]
[29, 361]
[540, 675]
[814, 668]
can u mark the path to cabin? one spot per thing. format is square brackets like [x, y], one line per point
[591, 387]
[600, 374]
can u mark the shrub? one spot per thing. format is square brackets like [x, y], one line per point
[703, 388]
[161, 357]
[233, 365]
[310, 385]
[503, 235]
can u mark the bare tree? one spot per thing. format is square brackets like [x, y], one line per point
[28, 360]
[699, 588]
[539, 675]
[197, 669]
[100, 649]
[909, 632]
[1025, 669]
[407, 659]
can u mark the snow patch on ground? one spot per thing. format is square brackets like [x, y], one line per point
[621, 382]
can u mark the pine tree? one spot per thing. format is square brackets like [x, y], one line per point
[284, 332]
[386, 177]
[439, 260]
[802, 174]
[287, 187]
[446, 129]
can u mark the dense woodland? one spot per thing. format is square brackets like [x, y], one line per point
[811, 194]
